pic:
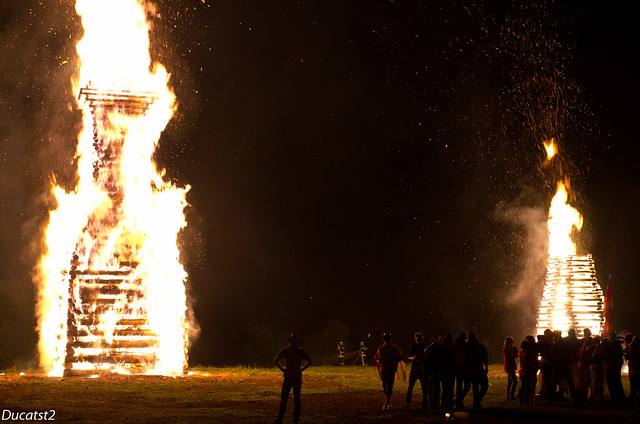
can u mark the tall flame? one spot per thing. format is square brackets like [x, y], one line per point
[563, 218]
[139, 227]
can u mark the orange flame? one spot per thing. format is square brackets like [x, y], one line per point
[562, 220]
[550, 148]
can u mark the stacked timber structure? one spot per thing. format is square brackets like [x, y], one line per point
[572, 297]
[107, 324]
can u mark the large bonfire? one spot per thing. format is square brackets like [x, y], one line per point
[111, 287]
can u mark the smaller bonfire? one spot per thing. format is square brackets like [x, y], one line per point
[572, 297]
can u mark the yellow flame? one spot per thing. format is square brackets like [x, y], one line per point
[114, 55]
[107, 324]
[550, 148]
[114, 50]
[562, 220]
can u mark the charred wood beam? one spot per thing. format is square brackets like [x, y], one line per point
[81, 332]
[113, 359]
[124, 344]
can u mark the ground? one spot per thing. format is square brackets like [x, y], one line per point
[349, 394]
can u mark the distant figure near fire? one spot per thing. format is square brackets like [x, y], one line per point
[363, 353]
[341, 353]
[292, 355]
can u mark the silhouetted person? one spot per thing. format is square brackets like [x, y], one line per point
[478, 365]
[527, 372]
[463, 382]
[627, 341]
[584, 366]
[293, 356]
[633, 356]
[387, 358]
[448, 372]
[534, 365]
[510, 353]
[597, 371]
[613, 361]
[628, 338]
[560, 352]
[433, 357]
[574, 350]
[543, 346]
[416, 354]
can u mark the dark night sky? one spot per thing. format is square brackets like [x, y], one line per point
[373, 162]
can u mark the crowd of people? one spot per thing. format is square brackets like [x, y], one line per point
[447, 370]
[587, 368]
[549, 368]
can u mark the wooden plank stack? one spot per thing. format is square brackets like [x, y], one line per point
[572, 297]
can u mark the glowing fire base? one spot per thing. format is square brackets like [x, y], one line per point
[125, 344]
[572, 297]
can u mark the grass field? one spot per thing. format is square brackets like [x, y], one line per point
[330, 394]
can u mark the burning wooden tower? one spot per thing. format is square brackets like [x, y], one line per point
[112, 291]
[107, 324]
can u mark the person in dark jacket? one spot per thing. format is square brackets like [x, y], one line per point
[416, 354]
[448, 375]
[543, 346]
[613, 361]
[574, 350]
[560, 352]
[478, 366]
[596, 389]
[463, 382]
[434, 358]
[584, 364]
[534, 365]
[633, 356]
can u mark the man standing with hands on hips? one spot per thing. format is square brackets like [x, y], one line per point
[292, 355]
